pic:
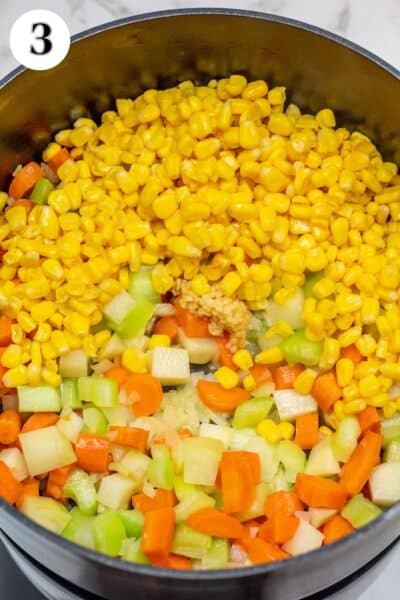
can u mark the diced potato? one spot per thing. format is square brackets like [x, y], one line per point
[15, 461]
[319, 516]
[115, 491]
[305, 539]
[73, 364]
[217, 432]
[201, 460]
[321, 461]
[112, 348]
[46, 449]
[47, 512]
[133, 465]
[201, 350]
[384, 484]
[170, 365]
[291, 404]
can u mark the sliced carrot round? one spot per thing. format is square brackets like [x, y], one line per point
[144, 393]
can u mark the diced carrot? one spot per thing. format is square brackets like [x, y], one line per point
[135, 437]
[10, 426]
[261, 552]
[118, 373]
[285, 375]
[366, 456]
[5, 331]
[161, 499]
[282, 503]
[145, 393]
[326, 390]
[24, 181]
[217, 398]
[93, 452]
[318, 492]
[192, 325]
[307, 431]
[353, 353]
[26, 204]
[253, 461]
[336, 528]
[225, 355]
[278, 529]
[39, 421]
[28, 487]
[261, 374]
[216, 523]
[369, 419]
[9, 487]
[56, 481]
[167, 326]
[237, 484]
[158, 532]
[174, 561]
[58, 159]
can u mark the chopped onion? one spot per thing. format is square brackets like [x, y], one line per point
[50, 174]
[165, 309]
[238, 555]
[102, 366]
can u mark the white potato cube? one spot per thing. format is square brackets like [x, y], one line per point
[291, 404]
[46, 449]
[170, 365]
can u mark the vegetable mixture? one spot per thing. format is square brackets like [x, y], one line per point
[199, 330]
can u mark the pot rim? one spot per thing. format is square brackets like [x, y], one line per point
[347, 544]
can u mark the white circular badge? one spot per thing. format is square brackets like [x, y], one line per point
[40, 39]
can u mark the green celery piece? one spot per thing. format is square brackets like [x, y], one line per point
[41, 191]
[298, 349]
[136, 320]
[81, 489]
[251, 412]
[392, 452]
[161, 469]
[133, 521]
[109, 533]
[141, 286]
[94, 420]
[98, 390]
[183, 489]
[191, 504]
[43, 398]
[293, 459]
[344, 440]
[281, 482]
[46, 512]
[359, 511]
[217, 556]
[189, 542]
[132, 551]
[69, 394]
[310, 281]
[390, 429]
[80, 529]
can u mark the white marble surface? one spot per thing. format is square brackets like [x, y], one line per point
[370, 23]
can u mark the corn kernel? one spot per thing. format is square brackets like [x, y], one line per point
[134, 360]
[344, 371]
[286, 430]
[158, 340]
[269, 357]
[325, 431]
[304, 381]
[226, 377]
[200, 285]
[369, 386]
[243, 359]
[269, 431]
[249, 383]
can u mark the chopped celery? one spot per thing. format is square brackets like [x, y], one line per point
[384, 483]
[201, 460]
[47, 512]
[191, 504]
[268, 457]
[133, 465]
[218, 432]
[98, 390]
[201, 350]
[133, 521]
[359, 511]
[131, 551]
[256, 508]
[183, 489]
[240, 438]
[392, 453]
[170, 365]
[112, 348]
[298, 349]
[94, 420]
[70, 424]
[69, 394]
[135, 320]
[74, 364]
[119, 308]
[41, 191]
[190, 543]
[46, 449]
[14, 459]
[344, 440]
[81, 489]
[251, 412]
[119, 415]
[321, 460]
[42, 398]
[291, 404]
[80, 529]
[293, 458]
[309, 283]
[217, 556]
[141, 286]
[390, 429]
[291, 311]
[109, 533]
[161, 469]
[115, 491]
[305, 539]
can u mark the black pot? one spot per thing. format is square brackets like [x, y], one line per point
[155, 50]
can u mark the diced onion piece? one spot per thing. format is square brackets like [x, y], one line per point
[201, 350]
[291, 312]
[13, 458]
[291, 404]
[305, 539]
[319, 516]
[165, 309]
[217, 432]
[321, 461]
[384, 484]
